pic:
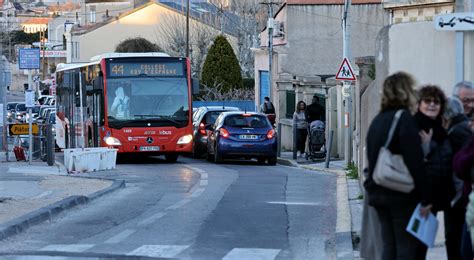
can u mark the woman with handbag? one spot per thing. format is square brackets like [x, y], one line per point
[394, 150]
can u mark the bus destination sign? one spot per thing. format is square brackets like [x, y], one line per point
[159, 69]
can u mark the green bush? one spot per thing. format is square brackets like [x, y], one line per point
[137, 44]
[352, 171]
[249, 83]
[221, 66]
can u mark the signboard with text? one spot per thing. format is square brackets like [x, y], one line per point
[454, 22]
[29, 59]
[155, 69]
[22, 129]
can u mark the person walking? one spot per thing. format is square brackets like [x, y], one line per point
[464, 90]
[459, 134]
[315, 111]
[299, 119]
[395, 208]
[268, 109]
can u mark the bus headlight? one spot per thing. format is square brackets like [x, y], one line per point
[112, 141]
[186, 139]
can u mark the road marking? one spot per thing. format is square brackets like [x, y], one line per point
[120, 236]
[204, 176]
[252, 254]
[178, 204]
[197, 192]
[158, 250]
[203, 182]
[44, 194]
[75, 248]
[151, 219]
[294, 203]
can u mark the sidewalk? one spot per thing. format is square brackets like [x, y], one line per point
[349, 208]
[31, 194]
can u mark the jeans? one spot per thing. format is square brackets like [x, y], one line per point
[466, 245]
[453, 226]
[301, 135]
[398, 244]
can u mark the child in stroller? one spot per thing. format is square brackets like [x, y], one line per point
[317, 140]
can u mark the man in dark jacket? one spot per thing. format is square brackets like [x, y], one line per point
[315, 111]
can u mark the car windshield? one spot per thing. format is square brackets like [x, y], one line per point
[21, 107]
[11, 106]
[150, 98]
[244, 121]
[211, 117]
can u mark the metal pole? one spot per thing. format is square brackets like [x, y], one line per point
[30, 123]
[279, 139]
[294, 141]
[270, 48]
[49, 145]
[187, 29]
[329, 148]
[4, 97]
[82, 110]
[348, 101]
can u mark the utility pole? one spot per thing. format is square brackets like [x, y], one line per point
[270, 43]
[347, 85]
[187, 29]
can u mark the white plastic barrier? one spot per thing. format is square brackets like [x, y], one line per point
[89, 159]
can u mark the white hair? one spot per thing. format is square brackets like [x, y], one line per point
[454, 107]
[460, 85]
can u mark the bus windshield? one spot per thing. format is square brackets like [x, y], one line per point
[150, 99]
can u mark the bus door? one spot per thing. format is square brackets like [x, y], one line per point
[97, 109]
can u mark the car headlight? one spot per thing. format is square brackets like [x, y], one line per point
[112, 141]
[186, 139]
[9, 114]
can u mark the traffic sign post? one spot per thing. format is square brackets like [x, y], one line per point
[29, 59]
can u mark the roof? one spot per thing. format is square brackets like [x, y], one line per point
[221, 108]
[330, 2]
[129, 54]
[37, 21]
[199, 16]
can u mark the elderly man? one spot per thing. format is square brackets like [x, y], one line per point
[465, 92]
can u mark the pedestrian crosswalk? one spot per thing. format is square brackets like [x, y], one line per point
[167, 251]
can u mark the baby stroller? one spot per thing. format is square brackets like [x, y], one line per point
[317, 140]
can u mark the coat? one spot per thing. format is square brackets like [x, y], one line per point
[406, 142]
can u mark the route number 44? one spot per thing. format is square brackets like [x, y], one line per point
[117, 70]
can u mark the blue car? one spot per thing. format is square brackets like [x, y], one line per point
[242, 135]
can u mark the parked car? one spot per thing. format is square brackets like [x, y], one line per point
[11, 113]
[42, 100]
[242, 135]
[43, 111]
[202, 117]
[20, 111]
[34, 113]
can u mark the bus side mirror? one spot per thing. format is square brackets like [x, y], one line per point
[195, 86]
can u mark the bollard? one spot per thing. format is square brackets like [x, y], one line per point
[49, 145]
[294, 140]
[279, 139]
[328, 148]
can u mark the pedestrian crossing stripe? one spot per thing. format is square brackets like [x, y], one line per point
[158, 251]
[252, 254]
[72, 248]
[345, 72]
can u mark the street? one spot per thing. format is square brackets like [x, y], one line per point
[194, 210]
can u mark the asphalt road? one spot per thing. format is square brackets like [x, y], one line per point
[194, 210]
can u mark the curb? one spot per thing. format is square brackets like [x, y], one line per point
[344, 248]
[20, 224]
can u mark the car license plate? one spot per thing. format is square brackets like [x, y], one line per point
[248, 137]
[149, 148]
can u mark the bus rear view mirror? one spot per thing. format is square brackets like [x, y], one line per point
[195, 86]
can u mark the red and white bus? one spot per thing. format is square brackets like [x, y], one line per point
[135, 102]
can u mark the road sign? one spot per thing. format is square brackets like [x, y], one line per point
[454, 22]
[29, 98]
[22, 129]
[345, 72]
[29, 59]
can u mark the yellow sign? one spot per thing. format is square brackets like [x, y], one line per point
[23, 129]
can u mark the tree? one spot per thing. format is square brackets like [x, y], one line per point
[137, 44]
[221, 66]
[171, 35]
